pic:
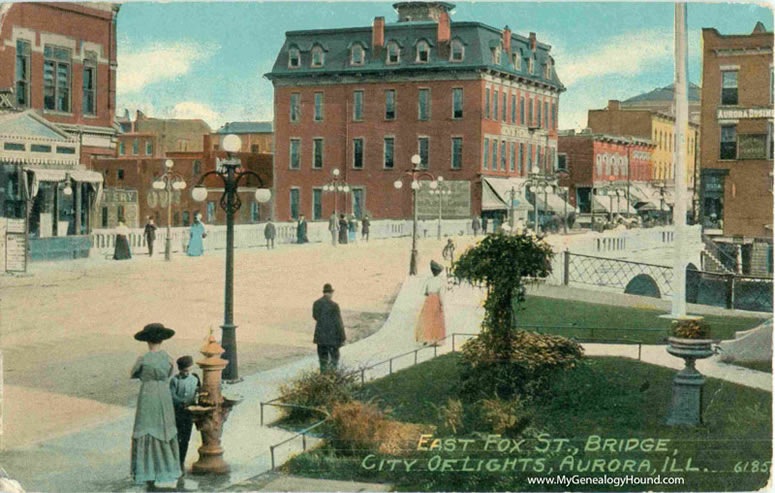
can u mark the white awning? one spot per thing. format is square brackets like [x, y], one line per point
[555, 204]
[502, 187]
[86, 176]
[46, 174]
[490, 199]
[607, 204]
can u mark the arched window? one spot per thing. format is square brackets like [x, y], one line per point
[294, 57]
[317, 56]
[599, 165]
[458, 51]
[423, 52]
[607, 163]
[393, 53]
[356, 54]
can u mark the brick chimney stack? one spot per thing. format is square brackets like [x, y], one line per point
[444, 30]
[507, 39]
[613, 104]
[378, 33]
[533, 41]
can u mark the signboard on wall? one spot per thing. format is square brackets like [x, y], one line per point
[454, 205]
[739, 113]
[15, 252]
[752, 146]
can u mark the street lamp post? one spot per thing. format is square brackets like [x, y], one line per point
[441, 191]
[612, 189]
[537, 182]
[169, 181]
[416, 174]
[335, 186]
[231, 174]
[511, 209]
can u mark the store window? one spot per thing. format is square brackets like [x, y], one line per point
[728, 142]
[729, 87]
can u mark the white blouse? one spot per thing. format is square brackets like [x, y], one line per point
[434, 285]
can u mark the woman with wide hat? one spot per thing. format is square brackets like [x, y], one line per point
[430, 327]
[155, 455]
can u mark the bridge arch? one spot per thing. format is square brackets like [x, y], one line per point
[643, 285]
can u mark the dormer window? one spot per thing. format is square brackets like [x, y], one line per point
[294, 58]
[457, 51]
[393, 55]
[356, 55]
[516, 60]
[531, 65]
[317, 56]
[496, 56]
[423, 52]
[548, 72]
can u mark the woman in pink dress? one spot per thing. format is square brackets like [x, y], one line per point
[430, 327]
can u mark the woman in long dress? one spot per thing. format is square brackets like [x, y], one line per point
[155, 454]
[430, 327]
[197, 234]
[343, 230]
[122, 251]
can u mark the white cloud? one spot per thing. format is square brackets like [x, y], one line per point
[158, 62]
[192, 110]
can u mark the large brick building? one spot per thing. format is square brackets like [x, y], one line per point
[255, 136]
[737, 143]
[478, 104]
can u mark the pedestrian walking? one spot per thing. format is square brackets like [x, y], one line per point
[122, 251]
[150, 235]
[329, 329]
[351, 224]
[184, 387]
[333, 228]
[476, 225]
[430, 327]
[196, 235]
[484, 226]
[301, 230]
[365, 225]
[269, 233]
[448, 253]
[155, 453]
[343, 229]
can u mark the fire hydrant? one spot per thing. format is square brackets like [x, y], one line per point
[211, 410]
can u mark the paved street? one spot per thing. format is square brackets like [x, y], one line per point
[67, 329]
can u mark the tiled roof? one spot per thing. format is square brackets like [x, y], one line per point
[665, 94]
[477, 39]
[246, 128]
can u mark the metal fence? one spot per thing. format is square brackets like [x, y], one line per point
[614, 273]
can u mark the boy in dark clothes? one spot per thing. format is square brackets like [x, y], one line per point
[184, 387]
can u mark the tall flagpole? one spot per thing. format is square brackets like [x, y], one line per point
[679, 170]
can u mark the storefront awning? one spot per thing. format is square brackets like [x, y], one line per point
[490, 199]
[555, 204]
[606, 204]
[502, 187]
[86, 176]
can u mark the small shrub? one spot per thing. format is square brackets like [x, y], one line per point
[506, 417]
[316, 390]
[451, 416]
[691, 329]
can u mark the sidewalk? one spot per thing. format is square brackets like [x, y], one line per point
[97, 459]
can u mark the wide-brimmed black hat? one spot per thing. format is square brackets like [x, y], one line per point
[155, 332]
[185, 362]
[327, 288]
[436, 267]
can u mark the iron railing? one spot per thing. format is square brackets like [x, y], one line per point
[614, 273]
[727, 262]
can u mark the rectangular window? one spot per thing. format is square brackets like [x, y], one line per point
[728, 142]
[295, 161]
[148, 147]
[255, 212]
[513, 108]
[486, 154]
[175, 218]
[104, 217]
[530, 112]
[504, 106]
[729, 87]
[457, 103]
[56, 79]
[521, 160]
[122, 148]
[503, 155]
[494, 104]
[388, 153]
[538, 112]
[494, 154]
[14, 146]
[90, 85]
[424, 104]
[317, 204]
[295, 107]
[457, 152]
[358, 202]
[357, 105]
[318, 106]
[40, 148]
[546, 114]
[769, 140]
[120, 174]
[522, 110]
[390, 104]
[487, 102]
[135, 147]
[22, 73]
[513, 157]
[294, 203]
[121, 217]
[317, 153]
[210, 211]
[562, 162]
[423, 147]
[554, 112]
[358, 153]
[530, 158]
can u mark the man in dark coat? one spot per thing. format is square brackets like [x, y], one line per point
[150, 235]
[476, 225]
[301, 230]
[269, 234]
[365, 224]
[329, 329]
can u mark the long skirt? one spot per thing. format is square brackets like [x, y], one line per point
[122, 251]
[430, 326]
[155, 460]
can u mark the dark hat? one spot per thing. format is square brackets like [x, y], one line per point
[436, 267]
[155, 332]
[327, 288]
[185, 362]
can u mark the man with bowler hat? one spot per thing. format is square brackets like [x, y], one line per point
[184, 386]
[329, 329]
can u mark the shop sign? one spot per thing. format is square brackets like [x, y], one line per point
[15, 252]
[752, 146]
[742, 113]
[455, 205]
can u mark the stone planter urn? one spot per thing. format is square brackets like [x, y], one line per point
[686, 404]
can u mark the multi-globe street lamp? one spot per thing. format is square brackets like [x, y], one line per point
[169, 181]
[231, 174]
[441, 191]
[538, 182]
[336, 185]
[611, 190]
[416, 175]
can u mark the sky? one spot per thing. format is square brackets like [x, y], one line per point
[207, 60]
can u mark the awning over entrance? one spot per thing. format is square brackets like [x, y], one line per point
[490, 199]
[501, 188]
[606, 204]
[555, 204]
[94, 178]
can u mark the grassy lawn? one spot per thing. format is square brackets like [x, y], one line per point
[603, 397]
[615, 322]
[765, 366]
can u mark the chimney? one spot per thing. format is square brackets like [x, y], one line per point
[444, 31]
[378, 33]
[613, 105]
[533, 41]
[507, 39]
